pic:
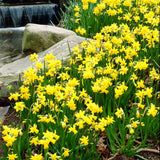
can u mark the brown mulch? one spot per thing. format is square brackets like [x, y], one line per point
[12, 116]
[152, 153]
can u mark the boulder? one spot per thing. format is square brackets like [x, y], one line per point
[9, 73]
[37, 38]
[10, 50]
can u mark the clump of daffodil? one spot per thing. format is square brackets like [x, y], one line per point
[10, 135]
[109, 85]
[12, 156]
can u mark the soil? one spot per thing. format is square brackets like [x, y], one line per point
[12, 117]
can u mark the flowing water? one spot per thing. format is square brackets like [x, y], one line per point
[20, 15]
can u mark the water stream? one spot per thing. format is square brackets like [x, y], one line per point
[20, 15]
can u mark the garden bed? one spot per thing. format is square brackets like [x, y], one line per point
[12, 117]
[104, 100]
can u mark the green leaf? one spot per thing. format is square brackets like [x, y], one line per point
[140, 157]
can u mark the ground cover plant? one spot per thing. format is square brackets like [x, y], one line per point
[110, 85]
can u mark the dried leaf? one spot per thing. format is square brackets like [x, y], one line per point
[102, 148]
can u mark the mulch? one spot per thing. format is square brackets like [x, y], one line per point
[12, 117]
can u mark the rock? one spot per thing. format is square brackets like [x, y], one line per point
[37, 38]
[61, 49]
[9, 73]
[3, 112]
[10, 49]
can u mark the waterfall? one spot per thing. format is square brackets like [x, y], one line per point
[24, 1]
[15, 16]
[28, 13]
[4, 12]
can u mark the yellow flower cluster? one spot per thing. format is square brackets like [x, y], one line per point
[10, 135]
[12, 156]
[129, 11]
[80, 30]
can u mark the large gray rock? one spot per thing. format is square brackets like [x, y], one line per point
[37, 38]
[10, 44]
[9, 73]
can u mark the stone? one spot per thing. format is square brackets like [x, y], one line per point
[9, 73]
[37, 38]
[61, 50]
[10, 49]
[3, 112]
